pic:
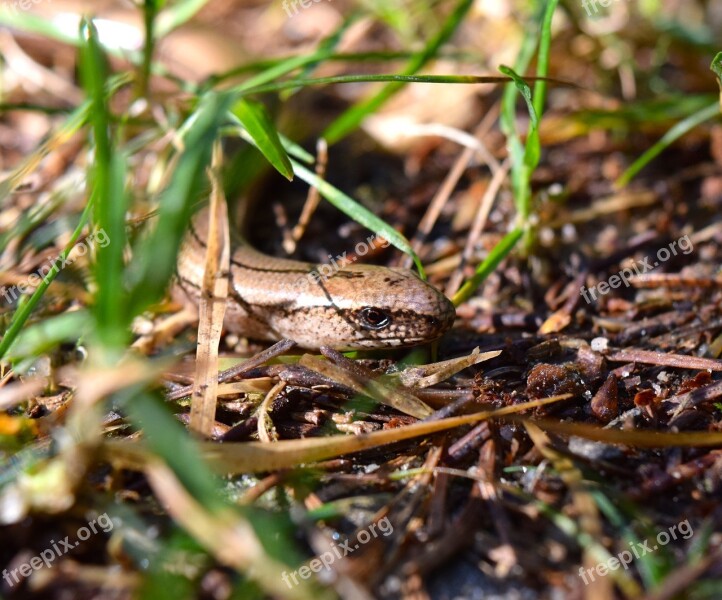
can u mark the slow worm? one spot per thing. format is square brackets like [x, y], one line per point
[357, 306]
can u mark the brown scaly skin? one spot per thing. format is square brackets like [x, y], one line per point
[358, 306]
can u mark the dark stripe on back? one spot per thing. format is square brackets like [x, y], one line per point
[238, 263]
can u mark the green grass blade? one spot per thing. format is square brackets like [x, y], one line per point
[680, 129]
[168, 439]
[296, 151]
[150, 12]
[540, 87]
[499, 253]
[280, 69]
[77, 119]
[24, 312]
[532, 150]
[326, 47]
[508, 123]
[48, 333]
[107, 184]
[177, 14]
[310, 61]
[645, 113]
[72, 125]
[651, 566]
[526, 158]
[27, 21]
[358, 213]
[155, 257]
[530, 155]
[351, 119]
[59, 30]
[716, 67]
[258, 124]
[401, 79]
[32, 219]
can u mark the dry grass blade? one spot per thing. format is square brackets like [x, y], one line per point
[254, 457]
[238, 370]
[680, 361]
[362, 383]
[673, 280]
[428, 375]
[14, 394]
[212, 307]
[265, 425]
[622, 201]
[634, 439]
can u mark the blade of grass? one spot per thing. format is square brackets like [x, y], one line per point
[24, 312]
[107, 184]
[716, 68]
[680, 129]
[77, 119]
[70, 127]
[234, 539]
[280, 69]
[31, 220]
[155, 256]
[254, 457]
[531, 153]
[326, 47]
[525, 161]
[532, 149]
[508, 123]
[634, 438]
[570, 526]
[650, 565]
[48, 333]
[499, 253]
[168, 439]
[63, 30]
[401, 79]
[150, 12]
[358, 213]
[27, 21]
[308, 62]
[176, 15]
[351, 119]
[540, 88]
[258, 124]
[525, 158]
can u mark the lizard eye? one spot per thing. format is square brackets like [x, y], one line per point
[373, 318]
